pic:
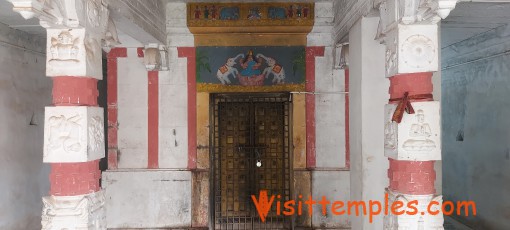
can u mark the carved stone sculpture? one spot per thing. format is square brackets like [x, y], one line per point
[83, 212]
[409, 30]
[423, 219]
[64, 47]
[417, 136]
[73, 134]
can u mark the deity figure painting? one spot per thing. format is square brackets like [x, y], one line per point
[251, 74]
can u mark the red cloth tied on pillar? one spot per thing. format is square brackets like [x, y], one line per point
[404, 105]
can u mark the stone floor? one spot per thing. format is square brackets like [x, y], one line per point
[451, 224]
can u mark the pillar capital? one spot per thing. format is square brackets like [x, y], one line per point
[409, 30]
[75, 31]
[65, 14]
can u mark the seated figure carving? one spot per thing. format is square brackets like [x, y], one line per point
[419, 135]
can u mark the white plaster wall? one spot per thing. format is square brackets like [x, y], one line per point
[334, 185]
[329, 102]
[173, 93]
[329, 180]
[138, 198]
[368, 95]
[148, 199]
[132, 102]
[475, 92]
[24, 91]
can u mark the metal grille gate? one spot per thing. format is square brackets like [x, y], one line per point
[248, 129]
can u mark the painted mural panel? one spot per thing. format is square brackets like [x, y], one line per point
[230, 14]
[254, 68]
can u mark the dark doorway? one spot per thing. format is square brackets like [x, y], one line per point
[250, 139]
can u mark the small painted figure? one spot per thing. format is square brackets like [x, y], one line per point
[206, 13]
[250, 66]
[298, 11]
[254, 14]
[290, 12]
[214, 12]
[305, 11]
[197, 13]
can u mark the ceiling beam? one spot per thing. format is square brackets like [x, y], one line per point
[347, 12]
[142, 20]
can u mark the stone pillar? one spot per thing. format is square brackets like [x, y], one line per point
[412, 133]
[74, 140]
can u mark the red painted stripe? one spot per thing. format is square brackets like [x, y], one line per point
[139, 51]
[412, 177]
[117, 52]
[69, 91]
[347, 144]
[190, 53]
[311, 53]
[153, 120]
[70, 179]
[112, 105]
[414, 83]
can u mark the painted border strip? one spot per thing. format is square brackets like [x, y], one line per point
[153, 120]
[112, 107]
[190, 53]
[347, 144]
[311, 53]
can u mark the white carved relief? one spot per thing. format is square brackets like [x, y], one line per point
[111, 38]
[83, 212]
[96, 133]
[417, 136]
[73, 134]
[419, 50]
[414, 24]
[64, 47]
[390, 135]
[423, 219]
[64, 133]
[391, 57]
[72, 52]
[411, 49]
[63, 13]
[93, 12]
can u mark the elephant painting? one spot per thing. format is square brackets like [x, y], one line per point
[276, 13]
[228, 69]
[229, 13]
[273, 68]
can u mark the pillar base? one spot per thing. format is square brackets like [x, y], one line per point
[423, 218]
[83, 212]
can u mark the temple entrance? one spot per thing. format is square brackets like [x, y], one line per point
[250, 140]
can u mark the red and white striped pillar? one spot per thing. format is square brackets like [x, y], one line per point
[73, 145]
[412, 145]
[74, 138]
[412, 131]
